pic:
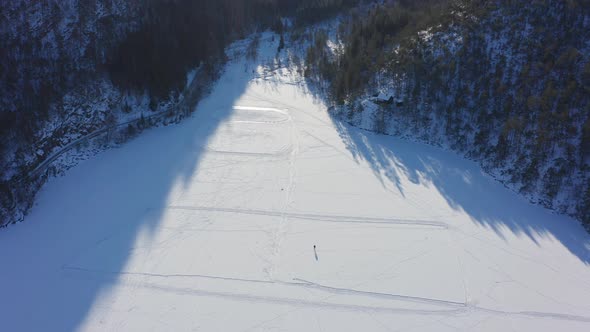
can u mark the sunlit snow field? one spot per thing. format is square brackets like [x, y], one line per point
[210, 225]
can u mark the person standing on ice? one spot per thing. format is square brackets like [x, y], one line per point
[315, 253]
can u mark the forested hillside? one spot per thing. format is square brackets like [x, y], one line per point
[506, 83]
[72, 68]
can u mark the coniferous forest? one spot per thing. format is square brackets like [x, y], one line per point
[506, 83]
[295, 165]
[57, 55]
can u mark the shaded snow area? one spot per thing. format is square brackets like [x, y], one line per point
[261, 212]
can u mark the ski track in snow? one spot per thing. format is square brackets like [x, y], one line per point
[213, 224]
[453, 307]
[321, 217]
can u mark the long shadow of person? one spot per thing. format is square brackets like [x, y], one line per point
[315, 252]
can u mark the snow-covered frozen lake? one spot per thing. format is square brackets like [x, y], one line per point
[210, 225]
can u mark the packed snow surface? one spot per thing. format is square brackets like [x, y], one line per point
[261, 212]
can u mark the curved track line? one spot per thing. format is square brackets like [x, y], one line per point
[416, 299]
[258, 122]
[277, 299]
[294, 302]
[250, 154]
[453, 306]
[284, 119]
[254, 108]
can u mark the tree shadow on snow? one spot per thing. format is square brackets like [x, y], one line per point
[464, 186]
[462, 183]
[55, 266]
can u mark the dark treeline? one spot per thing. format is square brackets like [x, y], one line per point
[59, 59]
[368, 37]
[504, 82]
[178, 35]
[143, 46]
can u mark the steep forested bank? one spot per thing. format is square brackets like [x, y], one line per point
[504, 83]
[78, 67]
